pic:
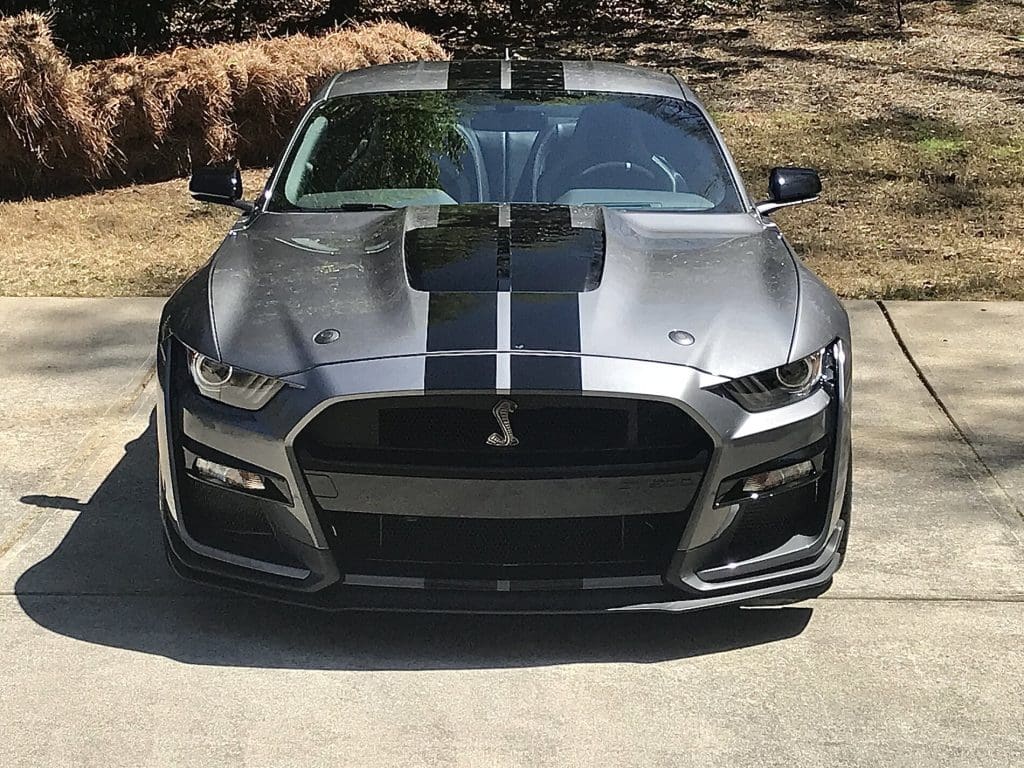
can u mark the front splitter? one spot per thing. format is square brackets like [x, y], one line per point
[342, 597]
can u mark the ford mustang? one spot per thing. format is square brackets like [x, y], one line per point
[506, 336]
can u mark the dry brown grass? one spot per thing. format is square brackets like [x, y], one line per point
[912, 209]
[135, 241]
[149, 118]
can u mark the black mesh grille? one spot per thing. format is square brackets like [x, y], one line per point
[478, 549]
[231, 522]
[436, 435]
[766, 525]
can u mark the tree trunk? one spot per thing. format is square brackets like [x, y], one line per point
[236, 20]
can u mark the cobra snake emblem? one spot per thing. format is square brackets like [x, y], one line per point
[507, 438]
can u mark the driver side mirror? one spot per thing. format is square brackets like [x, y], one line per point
[218, 184]
[790, 186]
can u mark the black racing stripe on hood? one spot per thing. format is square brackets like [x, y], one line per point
[460, 254]
[546, 372]
[538, 76]
[545, 321]
[549, 254]
[461, 372]
[540, 251]
[539, 214]
[473, 75]
[473, 215]
[462, 321]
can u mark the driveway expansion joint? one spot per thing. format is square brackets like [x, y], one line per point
[961, 434]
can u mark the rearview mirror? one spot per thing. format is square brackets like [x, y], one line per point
[218, 184]
[510, 121]
[790, 186]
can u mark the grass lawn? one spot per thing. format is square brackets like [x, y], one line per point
[919, 135]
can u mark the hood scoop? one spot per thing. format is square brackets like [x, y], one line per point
[523, 248]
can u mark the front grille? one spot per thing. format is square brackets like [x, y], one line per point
[766, 525]
[473, 549]
[231, 522]
[557, 436]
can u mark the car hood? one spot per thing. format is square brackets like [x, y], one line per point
[548, 279]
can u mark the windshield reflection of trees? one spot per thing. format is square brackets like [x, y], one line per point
[386, 142]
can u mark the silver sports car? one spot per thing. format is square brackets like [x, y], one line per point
[506, 336]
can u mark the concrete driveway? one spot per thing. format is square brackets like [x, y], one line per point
[915, 658]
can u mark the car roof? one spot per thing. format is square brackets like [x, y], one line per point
[517, 74]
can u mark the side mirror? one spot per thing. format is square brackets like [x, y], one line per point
[790, 186]
[218, 184]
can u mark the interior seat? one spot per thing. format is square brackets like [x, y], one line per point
[465, 179]
[550, 143]
[604, 134]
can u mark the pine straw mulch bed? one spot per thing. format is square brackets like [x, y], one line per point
[150, 118]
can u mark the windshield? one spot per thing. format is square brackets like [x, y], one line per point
[456, 147]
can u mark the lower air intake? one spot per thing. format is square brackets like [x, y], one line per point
[764, 526]
[231, 522]
[489, 549]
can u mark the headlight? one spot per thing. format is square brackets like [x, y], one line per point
[780, 386]
[226, 384]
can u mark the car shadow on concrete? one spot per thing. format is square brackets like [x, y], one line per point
[107, 582]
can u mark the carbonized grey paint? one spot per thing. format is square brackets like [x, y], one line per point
[728, 280]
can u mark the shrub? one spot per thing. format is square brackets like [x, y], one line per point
[144, 118]
[46, 118]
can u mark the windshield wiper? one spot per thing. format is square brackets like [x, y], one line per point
[349, 207]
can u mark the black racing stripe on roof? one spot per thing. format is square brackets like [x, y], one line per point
[473, 75]
[545, 321]
[461, 372]
[546, 372]
[538, 76]
[462, 321]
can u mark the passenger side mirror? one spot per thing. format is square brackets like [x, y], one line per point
[790, 186]
[218, 184]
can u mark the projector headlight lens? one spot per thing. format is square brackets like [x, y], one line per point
[208, 373]
[226, 384]
[780, 386]
[801, 375]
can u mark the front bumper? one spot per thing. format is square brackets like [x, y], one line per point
[810, 581]
[702, 572]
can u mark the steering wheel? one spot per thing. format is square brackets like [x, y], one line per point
[619, 166]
